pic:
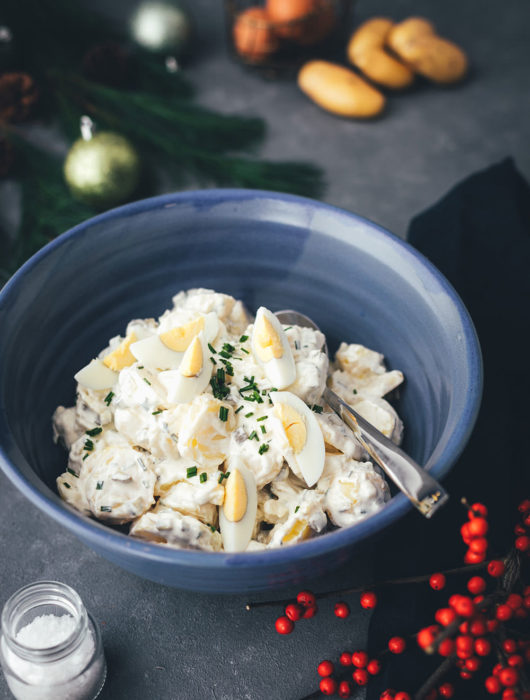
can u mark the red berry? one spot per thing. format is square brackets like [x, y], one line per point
[478, 527]
[401, 696]
[509, 646]
[360, 676]
[342, 610]
[293, 612]
[427, 635]
[509, 694]
[397, 645]
[474, 557]
[368, 599]
[520, 613]
[445, 616]
[492, 625]
[310, 611]
[453, 599]
[387, 695]
[524, 506]
[344, 689]
[446, 690]
[497, 669]
[526, 602]
[522, 543]
[515, 660]
[477, 510]
[509, 677]
[478, 545]
[482, 646]
[503, 612]
[437, 581]
[359, 659]
[519, 529]
[306, 599]
[514, 600]
[496, 568]
[526, 521]
[466, 533]
[464, 606]
[526, 591]
[328, 686]
[284, 625]
[345, 659]
[374, 667]
[325, 668]
[464, 627]
[478, 628]
[493, 685]
[464, 642]
[466, 675]
[476, 584]
[478, 599]
[446, 647]
[472, 664]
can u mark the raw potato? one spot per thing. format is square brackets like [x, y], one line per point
[339, 90]
[366, 50]
[429, 55]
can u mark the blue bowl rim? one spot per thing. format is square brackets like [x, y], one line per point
[106, 538]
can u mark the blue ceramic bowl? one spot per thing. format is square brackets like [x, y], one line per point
[358, 282]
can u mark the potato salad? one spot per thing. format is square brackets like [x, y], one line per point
[205, 429]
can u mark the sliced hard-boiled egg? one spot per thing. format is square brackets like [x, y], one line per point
[96, 376]
[272, 350]
[303, 435]
[237, 516]
[121, 356]
[193, 374]
[178, 339]
[165, 351]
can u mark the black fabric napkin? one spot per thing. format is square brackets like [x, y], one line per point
[478, 235]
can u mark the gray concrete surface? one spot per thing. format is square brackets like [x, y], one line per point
[165, 644]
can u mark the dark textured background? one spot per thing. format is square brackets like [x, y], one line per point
[165, 644]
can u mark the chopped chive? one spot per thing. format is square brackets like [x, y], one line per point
[66, 484]
[243, 339]
[211, 348]
[108, 398]
[228, 348]
[89, 445]
[221, 375]
[94, 431]
[240, 408]
[288, 328]
[225, 354]
[355, 391]
[106, 509]
[245, 351]
[223, 413]
[264, 392]
[211, 528]
[191, 471]
[262, 418]
[263, 429]
[263, 448]
[155, 413]
[316, 408]
[146, 380]
[85, 456]
[140, 366]
[247, 415]
[71, 471]
[223, 475]
[99, 486]
[203, 477]
[297, 509]
[296, 345]
[253, 435]
[213, 360]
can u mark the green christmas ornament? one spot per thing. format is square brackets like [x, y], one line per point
[102, 169]
[162, 27]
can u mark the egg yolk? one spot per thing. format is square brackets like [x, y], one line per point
[122, 356]
[267, 342]
[235, 503]
[294, 426]
[300, 529]
[191, 364]
[178, 339]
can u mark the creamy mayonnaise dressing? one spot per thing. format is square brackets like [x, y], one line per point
[141, 454]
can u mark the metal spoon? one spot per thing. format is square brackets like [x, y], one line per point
[425, 493]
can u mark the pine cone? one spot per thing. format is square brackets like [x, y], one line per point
[18, 96]
[7, 156]
[108, 64]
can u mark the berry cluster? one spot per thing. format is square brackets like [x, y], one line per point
[474, 533]
[305, 607]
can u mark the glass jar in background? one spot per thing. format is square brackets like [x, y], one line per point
[275, 37]
[50, 646]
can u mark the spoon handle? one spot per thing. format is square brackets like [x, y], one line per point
[425, 493]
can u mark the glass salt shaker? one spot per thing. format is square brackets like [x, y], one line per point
[50, 646]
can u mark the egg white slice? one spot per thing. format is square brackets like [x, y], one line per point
[272, 350]
[193, 374]
[152, 353]
[303, 434]
[237, 516]
[96, 376]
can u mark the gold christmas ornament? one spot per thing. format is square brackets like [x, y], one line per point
[162, 27]
[102, 169]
